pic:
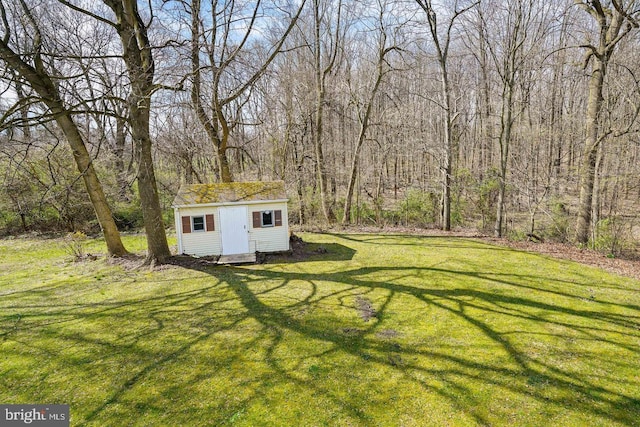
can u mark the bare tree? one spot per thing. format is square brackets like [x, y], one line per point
[138, 57]
[615, 20]
[365, 107]
[231, 80]
[325, 54]
[39, 74]
[511, 49]
[287, 97]
[442, 43]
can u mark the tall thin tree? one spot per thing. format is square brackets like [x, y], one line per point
[364, 112]
[442, 43]
[325, 55]
[615, 20]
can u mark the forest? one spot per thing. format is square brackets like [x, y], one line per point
[515, 118]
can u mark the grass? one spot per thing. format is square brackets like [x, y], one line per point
[370, 331]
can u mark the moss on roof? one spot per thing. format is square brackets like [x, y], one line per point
[233, 192]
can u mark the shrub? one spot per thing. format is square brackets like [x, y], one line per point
[418, 208]
[361, 213]
[611, 236]
[459, 207]
[128, 217]
[560, 227]
[516, 235]
[366, 213]
[74, 243]
[487, 198]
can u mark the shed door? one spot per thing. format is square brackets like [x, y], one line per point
[234, 231]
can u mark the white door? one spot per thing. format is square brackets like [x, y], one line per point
[234, 230]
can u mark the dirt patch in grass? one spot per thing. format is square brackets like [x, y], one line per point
[350, 331]
[300, 250]
[365, 308]
[138, 261]
[388, 334]
[128, 262]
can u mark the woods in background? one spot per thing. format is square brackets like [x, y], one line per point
[513, 117]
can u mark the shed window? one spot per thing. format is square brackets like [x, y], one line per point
[264, 219]
[198, 223]
[267, 219]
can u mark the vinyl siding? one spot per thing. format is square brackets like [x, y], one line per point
[203, 243]
[270, 239]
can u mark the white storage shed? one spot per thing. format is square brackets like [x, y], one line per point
[231, 218]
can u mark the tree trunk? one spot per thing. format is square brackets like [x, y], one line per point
[614, 21]
[223, 159]
[364, 125]
[323, 181]
[138, 58]
[321, 72]
[590, 154]
[44, 86]
[505, 140]
[91, 181]
[346, 218]
[448, 149]
[157, 246]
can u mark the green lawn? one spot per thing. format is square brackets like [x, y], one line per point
[370, 330]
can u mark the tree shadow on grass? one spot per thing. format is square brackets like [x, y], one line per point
[51, 335]
[529, 375]
[506, 315]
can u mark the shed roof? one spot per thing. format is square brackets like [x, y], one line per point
[232, 192]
